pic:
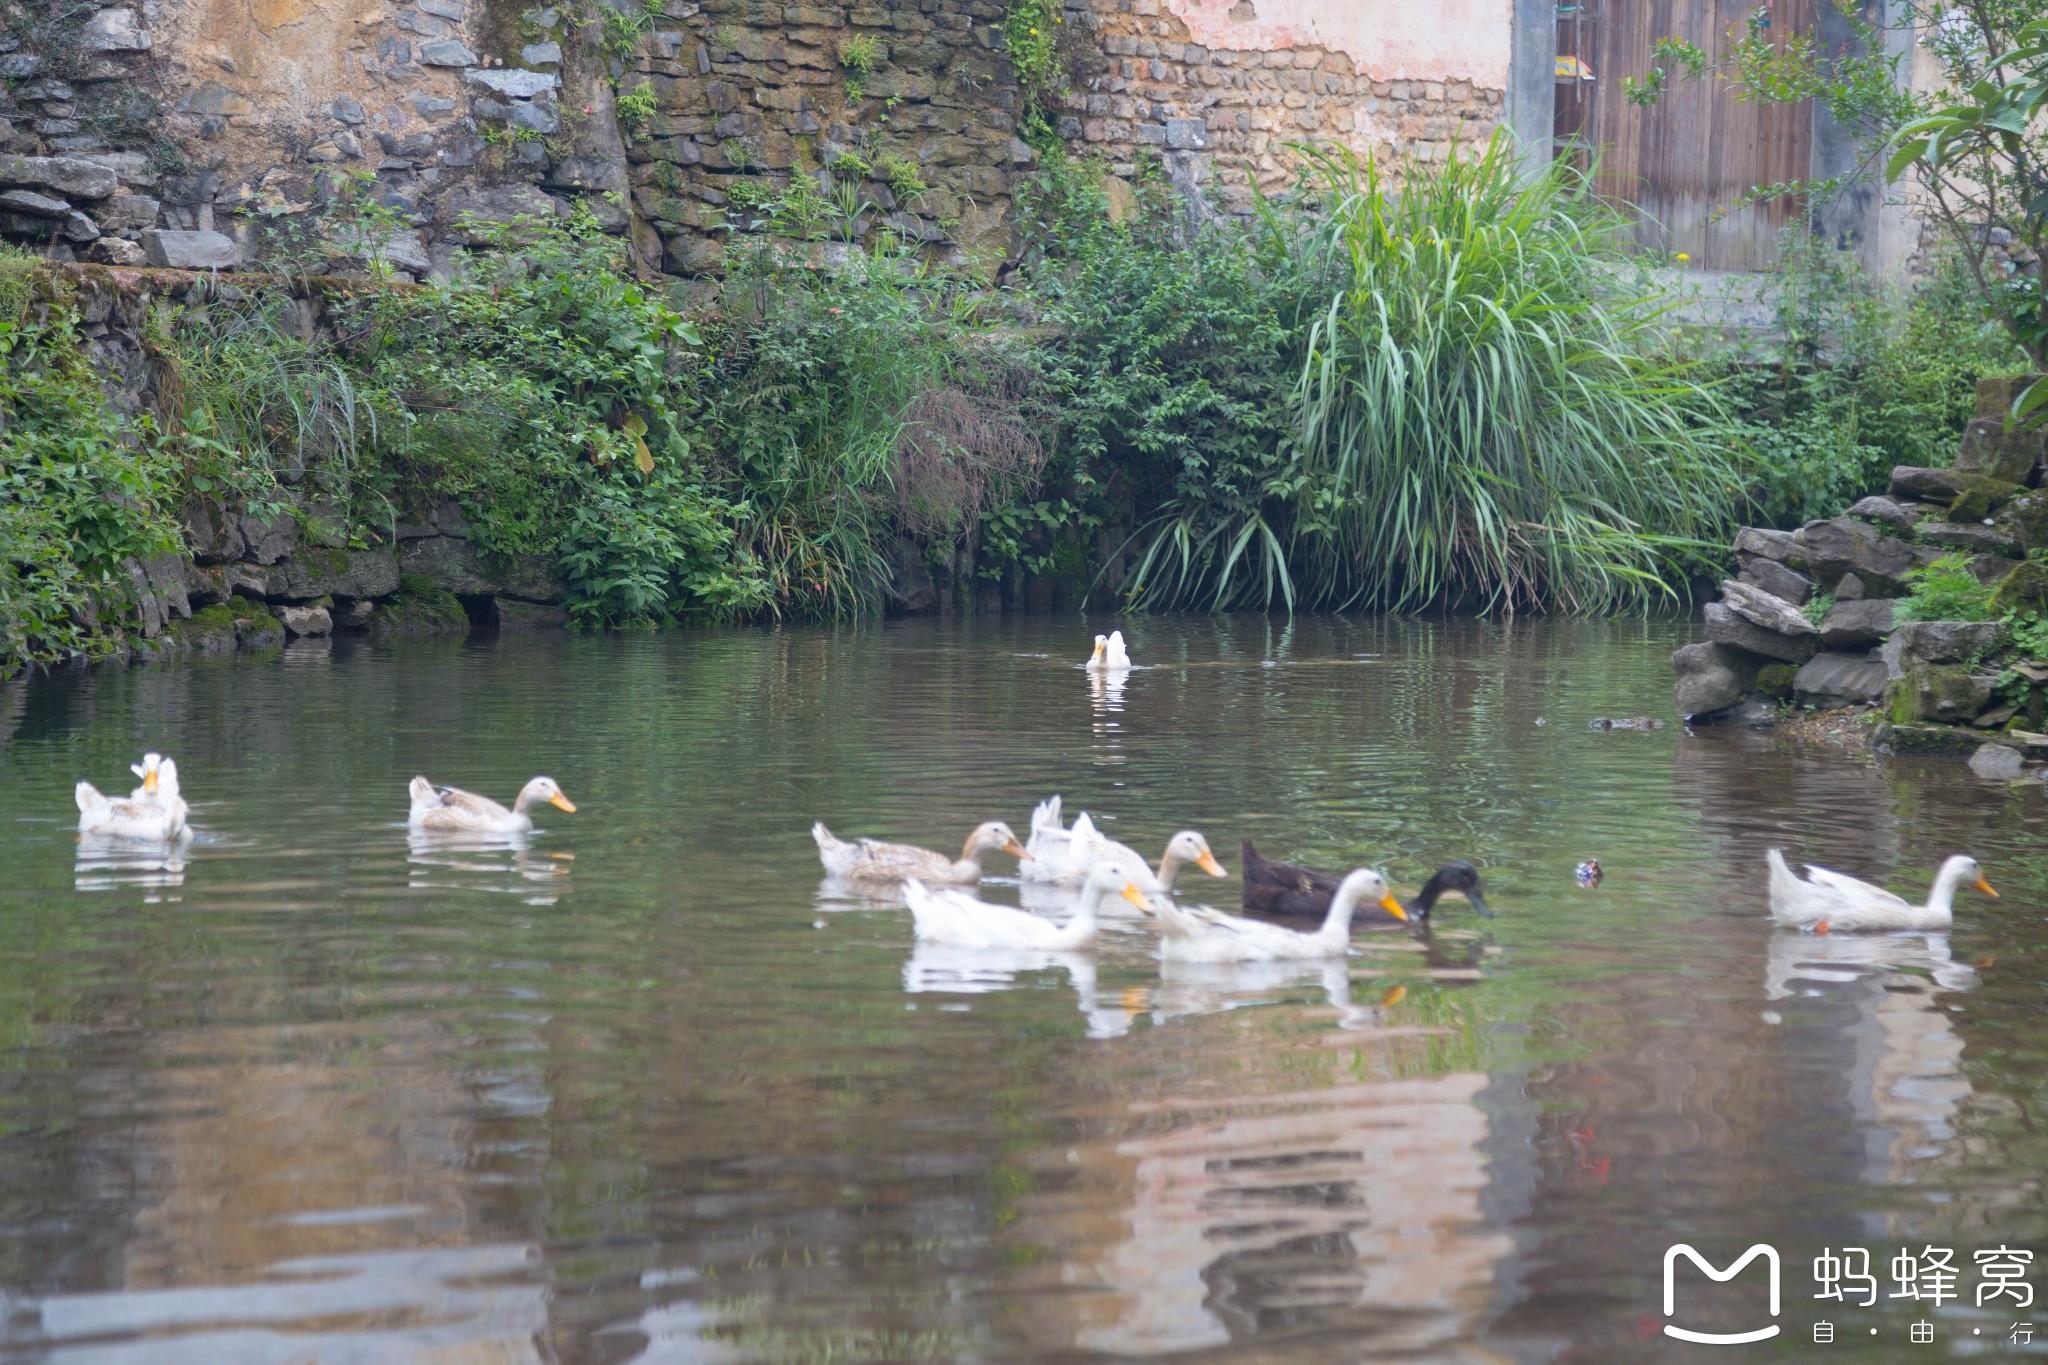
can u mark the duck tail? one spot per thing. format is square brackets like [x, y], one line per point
[423, 795]
[1046, 815]
[1784, 887]
[835, 853]
[88, 798]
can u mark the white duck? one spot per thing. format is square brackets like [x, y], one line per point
[1828, 902]
[151, 763]
[157, 812]
[1183, 848]
[1099, 659]
[870, 860]
[948, 916]
[1203, 934]
[1049, 843]
[451, 810]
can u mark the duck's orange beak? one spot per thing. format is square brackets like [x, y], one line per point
[1136, 897]
[563, 802]
[1393, 907]
[1016, 850]
[1985, 887]
[149, 780]
[1207, 862]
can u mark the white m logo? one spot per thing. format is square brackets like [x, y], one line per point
[1671, 1255]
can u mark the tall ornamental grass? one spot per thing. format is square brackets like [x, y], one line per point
[1477, 408]
[1485, 414]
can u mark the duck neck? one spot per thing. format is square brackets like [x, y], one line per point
[1425, 900]
[1337, 924]
[970, 854]
[1170, 864]
[523, 802]
[1941, 899]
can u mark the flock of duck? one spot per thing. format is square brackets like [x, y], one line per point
[157, 812]
[1281, 902]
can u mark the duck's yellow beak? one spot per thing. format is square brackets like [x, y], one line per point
[1393, 907]
[1017, 851]
[563, 802]
[1985, 887]
[1136, 897]
[1100, 649]
[149, 781]
[1207, 862]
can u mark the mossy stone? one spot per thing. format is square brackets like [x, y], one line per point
[2024, 588]
[1971, 505]
[419, 609]
[1775, 680]
[1944, 693]
[210, 630]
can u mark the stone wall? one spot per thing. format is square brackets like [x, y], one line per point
[179, 132]
[1812, 617]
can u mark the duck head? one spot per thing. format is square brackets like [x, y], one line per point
[1365, 886]
[1457, 876]
[995, 837]
[543, 789]
[1190, 847]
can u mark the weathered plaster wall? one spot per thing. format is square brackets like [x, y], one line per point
[1387, 39]
[177, 132]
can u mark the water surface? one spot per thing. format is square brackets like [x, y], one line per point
[642, 1089]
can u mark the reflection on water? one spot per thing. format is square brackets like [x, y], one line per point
[641, 1087]
[434, 1304]
[487, 862]
[108, 864]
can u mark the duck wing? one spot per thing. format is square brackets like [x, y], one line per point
[943, 915]
[1226, 937]
[455, 798]
[1282, 890]
[1854, 889]
[895, 862]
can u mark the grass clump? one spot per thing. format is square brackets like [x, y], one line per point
[1946, 590]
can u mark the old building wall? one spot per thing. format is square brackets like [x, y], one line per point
[181, 132]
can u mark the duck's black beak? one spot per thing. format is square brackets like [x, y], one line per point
[1479, 903]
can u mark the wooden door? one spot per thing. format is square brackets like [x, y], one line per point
[1686, 162]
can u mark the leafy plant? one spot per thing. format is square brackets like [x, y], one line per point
[858, 55]
[1946, 590]
[1482, 414]
[1030, 36]
[637, 106]
[902, 175]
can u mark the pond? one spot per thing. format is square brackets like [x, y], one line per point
[644, 1089]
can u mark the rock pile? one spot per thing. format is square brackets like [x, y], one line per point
[1811, 615]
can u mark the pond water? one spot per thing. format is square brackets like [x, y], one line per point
[644, 1090]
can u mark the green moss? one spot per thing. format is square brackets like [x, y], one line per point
[1775, 680]
[1946, 693]
[1971, 505]
[210, 629]
[420, 608]
[2024, 588]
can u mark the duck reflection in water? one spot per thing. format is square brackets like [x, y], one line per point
[486, 862]
[107, 863]
[1867, 1009]
[941, 969]
[1192, 989]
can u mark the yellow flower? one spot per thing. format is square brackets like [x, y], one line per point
[1034, 33]
[1682, 256]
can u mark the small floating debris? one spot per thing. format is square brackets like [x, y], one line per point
[1589, 873]
[1624, 723]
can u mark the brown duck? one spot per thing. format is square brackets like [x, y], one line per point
[1284, 892]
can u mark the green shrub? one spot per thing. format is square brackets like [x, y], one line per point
[83, 490]
[1946, 590]
[636, 106]
[1865, 376]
